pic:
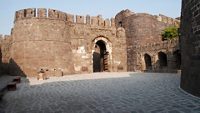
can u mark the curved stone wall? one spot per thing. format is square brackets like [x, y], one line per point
[141, 29]
[121, 17]
[40, 44]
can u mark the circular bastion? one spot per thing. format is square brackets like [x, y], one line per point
[40, 41]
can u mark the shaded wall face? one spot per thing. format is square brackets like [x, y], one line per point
[177, 59]
[40, 43]
[5, 54]
[190, 46]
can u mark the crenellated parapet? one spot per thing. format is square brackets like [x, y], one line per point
[25, 13]
[168, 20]
[99, 21]
[42, 13]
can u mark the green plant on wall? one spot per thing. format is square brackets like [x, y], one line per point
[170, 33]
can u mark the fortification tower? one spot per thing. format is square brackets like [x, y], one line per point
[141, 29]
[40, 41]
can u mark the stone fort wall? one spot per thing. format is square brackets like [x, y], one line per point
[190, 46]
[62, 43]
[141, 29]
[170, 48]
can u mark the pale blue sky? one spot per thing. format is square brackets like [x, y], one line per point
[107, 8]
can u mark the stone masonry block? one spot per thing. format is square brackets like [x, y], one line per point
[42, 13]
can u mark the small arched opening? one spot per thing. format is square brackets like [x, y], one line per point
[100, 57]
[148, 62]
[162, 59]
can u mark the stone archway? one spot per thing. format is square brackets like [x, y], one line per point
[162, 60]
[148, 61]
[101, 54]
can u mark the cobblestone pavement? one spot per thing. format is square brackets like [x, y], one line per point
[101, 93]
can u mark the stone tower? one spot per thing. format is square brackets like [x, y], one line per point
[143, 33]
[40, 40]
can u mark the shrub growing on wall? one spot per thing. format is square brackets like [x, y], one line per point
[170, 33]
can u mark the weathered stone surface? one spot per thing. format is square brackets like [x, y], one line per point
[190, 46]
[143, 36]
[54, 40]
[101, 93]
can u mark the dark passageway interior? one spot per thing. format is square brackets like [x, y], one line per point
[100, 57]
[162, 59]
[148, 62]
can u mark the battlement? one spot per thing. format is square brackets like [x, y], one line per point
[168, 20]
[42, 13]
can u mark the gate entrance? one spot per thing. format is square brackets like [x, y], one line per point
[100, 57]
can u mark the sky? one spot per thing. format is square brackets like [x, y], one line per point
[106, 8]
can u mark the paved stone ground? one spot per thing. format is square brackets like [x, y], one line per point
[101, 93]
[4, 80]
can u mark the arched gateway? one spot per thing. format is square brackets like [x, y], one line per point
[101, 53]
